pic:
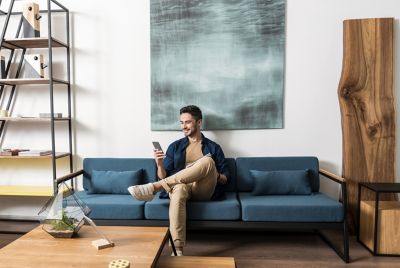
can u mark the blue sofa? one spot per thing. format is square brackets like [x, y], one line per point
[241, 207]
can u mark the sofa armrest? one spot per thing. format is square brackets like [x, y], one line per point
[332, 176]
[342, 182]
[69, 176]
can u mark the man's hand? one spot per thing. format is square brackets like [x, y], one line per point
[222, 179]
[159, 157]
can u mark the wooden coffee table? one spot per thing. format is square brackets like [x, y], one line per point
[141, 246]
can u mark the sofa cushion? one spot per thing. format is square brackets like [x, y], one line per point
[112, 206]
[245, 164]
[281, 182]
[316, 207]
[114, 182]
[118, 164]
[226, 209]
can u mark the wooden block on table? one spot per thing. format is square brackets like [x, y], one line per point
[102, 243]
[119, 264]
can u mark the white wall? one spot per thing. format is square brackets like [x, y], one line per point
[111, 78]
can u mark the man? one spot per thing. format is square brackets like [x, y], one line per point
[190, 170]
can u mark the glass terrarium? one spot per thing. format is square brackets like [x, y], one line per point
[63, 214]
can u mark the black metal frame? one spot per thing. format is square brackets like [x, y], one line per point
[251, 225]
[369, 186]
[49, 12]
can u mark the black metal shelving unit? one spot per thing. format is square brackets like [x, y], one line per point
[11, 83]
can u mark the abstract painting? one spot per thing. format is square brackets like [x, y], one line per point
[225, 56]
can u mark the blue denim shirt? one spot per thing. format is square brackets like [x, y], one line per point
[175, 159]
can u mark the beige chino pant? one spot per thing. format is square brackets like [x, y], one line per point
[196, 182]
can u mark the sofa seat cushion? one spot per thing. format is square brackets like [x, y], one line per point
[226, 209]
[112, 206]
[316, 207]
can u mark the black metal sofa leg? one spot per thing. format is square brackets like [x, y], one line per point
[345, 256]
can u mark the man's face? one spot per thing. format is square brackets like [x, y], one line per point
[189, 125]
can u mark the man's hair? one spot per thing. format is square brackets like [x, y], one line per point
[193, 110]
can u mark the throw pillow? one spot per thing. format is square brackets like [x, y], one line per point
[281, 182]
[114, 182]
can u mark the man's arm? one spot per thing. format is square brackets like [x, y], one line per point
[221, 165]
[165, 164]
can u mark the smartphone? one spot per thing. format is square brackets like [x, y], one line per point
[157, 146]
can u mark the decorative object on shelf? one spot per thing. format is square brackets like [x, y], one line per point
[35, 153]
[48, 115]
[11, 152]
[3, 67]
[63, 214]
[367, 106]
[30, 20]
[227, 57]
[33, 66]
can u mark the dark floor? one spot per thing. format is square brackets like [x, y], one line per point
[261, 249]
[278, 249]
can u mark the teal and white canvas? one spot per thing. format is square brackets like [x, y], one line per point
[226, 56]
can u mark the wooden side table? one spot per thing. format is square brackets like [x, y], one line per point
[378, 221]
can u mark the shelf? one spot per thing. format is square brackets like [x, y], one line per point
[58, 155]
[37, 42]
[30, 81]
[32, 119]
[26, 190]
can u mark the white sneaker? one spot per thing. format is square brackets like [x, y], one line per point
[178, 253]
[144, 192]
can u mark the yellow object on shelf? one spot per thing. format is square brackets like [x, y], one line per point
[26, 190]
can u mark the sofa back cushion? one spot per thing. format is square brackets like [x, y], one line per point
[281, 182]
[245, 182]
[147, 165]
[114, 182]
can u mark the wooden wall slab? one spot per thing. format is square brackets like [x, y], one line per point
[367, 105]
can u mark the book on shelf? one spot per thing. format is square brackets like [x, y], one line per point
[48, 115]
[35, 153]
[11, 152]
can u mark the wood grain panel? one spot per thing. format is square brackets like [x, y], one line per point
[367, 105]
[141, 246]
[388, 226]
[195, 261]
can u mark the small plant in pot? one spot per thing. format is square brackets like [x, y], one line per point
[62, 228]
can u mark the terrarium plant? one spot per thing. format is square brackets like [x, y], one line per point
[63, 215]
